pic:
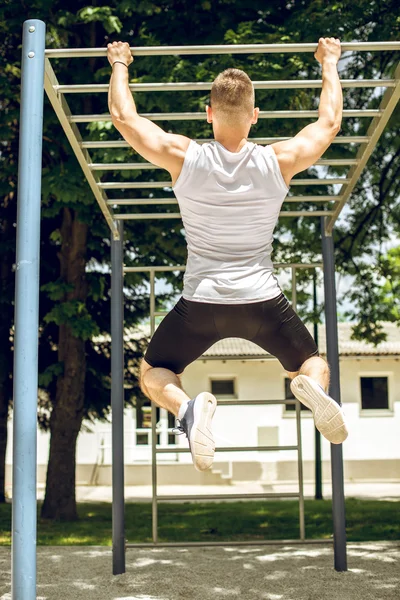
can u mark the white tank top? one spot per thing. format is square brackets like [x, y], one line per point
[230, 203]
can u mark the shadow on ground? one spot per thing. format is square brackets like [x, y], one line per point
[262, 573]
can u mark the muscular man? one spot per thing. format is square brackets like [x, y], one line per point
[230, 192]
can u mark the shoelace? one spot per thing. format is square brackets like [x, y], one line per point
[179, 429]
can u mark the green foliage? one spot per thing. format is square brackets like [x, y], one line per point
[103, 14]
[76, 315]
[56, 290]
[50, 374]
[390, 291]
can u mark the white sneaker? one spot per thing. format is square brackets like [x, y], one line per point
[328, 414]
[196, 424]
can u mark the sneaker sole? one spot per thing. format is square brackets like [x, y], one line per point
[328, 415]
[202, 443]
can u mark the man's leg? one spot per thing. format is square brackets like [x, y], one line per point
[183, 335]
[317, 368]
[285, 336]
[310, 385]
[163, 387]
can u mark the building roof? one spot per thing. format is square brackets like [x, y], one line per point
[236, 347]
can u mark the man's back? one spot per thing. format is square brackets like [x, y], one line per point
[230, 202]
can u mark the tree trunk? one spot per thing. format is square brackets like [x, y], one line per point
[67, 413]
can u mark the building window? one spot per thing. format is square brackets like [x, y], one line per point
[224, 388]
[374, 393]
[289, 396]
[143, 422]
[171, 425]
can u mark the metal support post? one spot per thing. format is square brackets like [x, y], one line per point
[332, 345]
[117, 402]
[24, 507]
[300, 473]
[298, 429]
[153, 417]
[294, 289]
[318, 450]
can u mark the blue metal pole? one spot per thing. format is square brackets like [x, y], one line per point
[24, 515]
[332, 350]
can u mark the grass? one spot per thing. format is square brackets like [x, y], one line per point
[367, 520]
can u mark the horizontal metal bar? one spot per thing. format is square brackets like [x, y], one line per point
[237, 402]
[117, 185]
[283, 213]
[340, 139]
[143, 201]
[200, 86]
[173, 200]
[350, 139]
[305, 213]
[130, 185]
[171, 268]
[220, 49]
[335, 162]
[230, 544]
[147, 216]
[122, 166]
[240, 357]
[155, 269]
[201, 116]
[312, 199]
[227, 496]
[230, 449]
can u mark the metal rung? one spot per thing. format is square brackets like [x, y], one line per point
[230, 449]
[284, 213]
[220, 49]
[142, 201]
[228, 496]
[203, 86]
[288, 402]
[173, 200]
[335, 162]
[147, 216]
[172, 268]
[130, 185]
[200, 116]
[350, 139]
[312, 199]
[230, 544]
[123, 166]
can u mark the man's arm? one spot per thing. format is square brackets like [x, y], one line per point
[163, 149]
[302, 151]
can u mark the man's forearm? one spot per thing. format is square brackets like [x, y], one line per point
[120, 100]
[331, 101]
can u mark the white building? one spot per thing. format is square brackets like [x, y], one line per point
[237, 369]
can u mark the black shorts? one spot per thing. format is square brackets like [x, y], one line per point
[192, 327]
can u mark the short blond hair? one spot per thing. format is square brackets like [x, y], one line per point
[232, 96]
